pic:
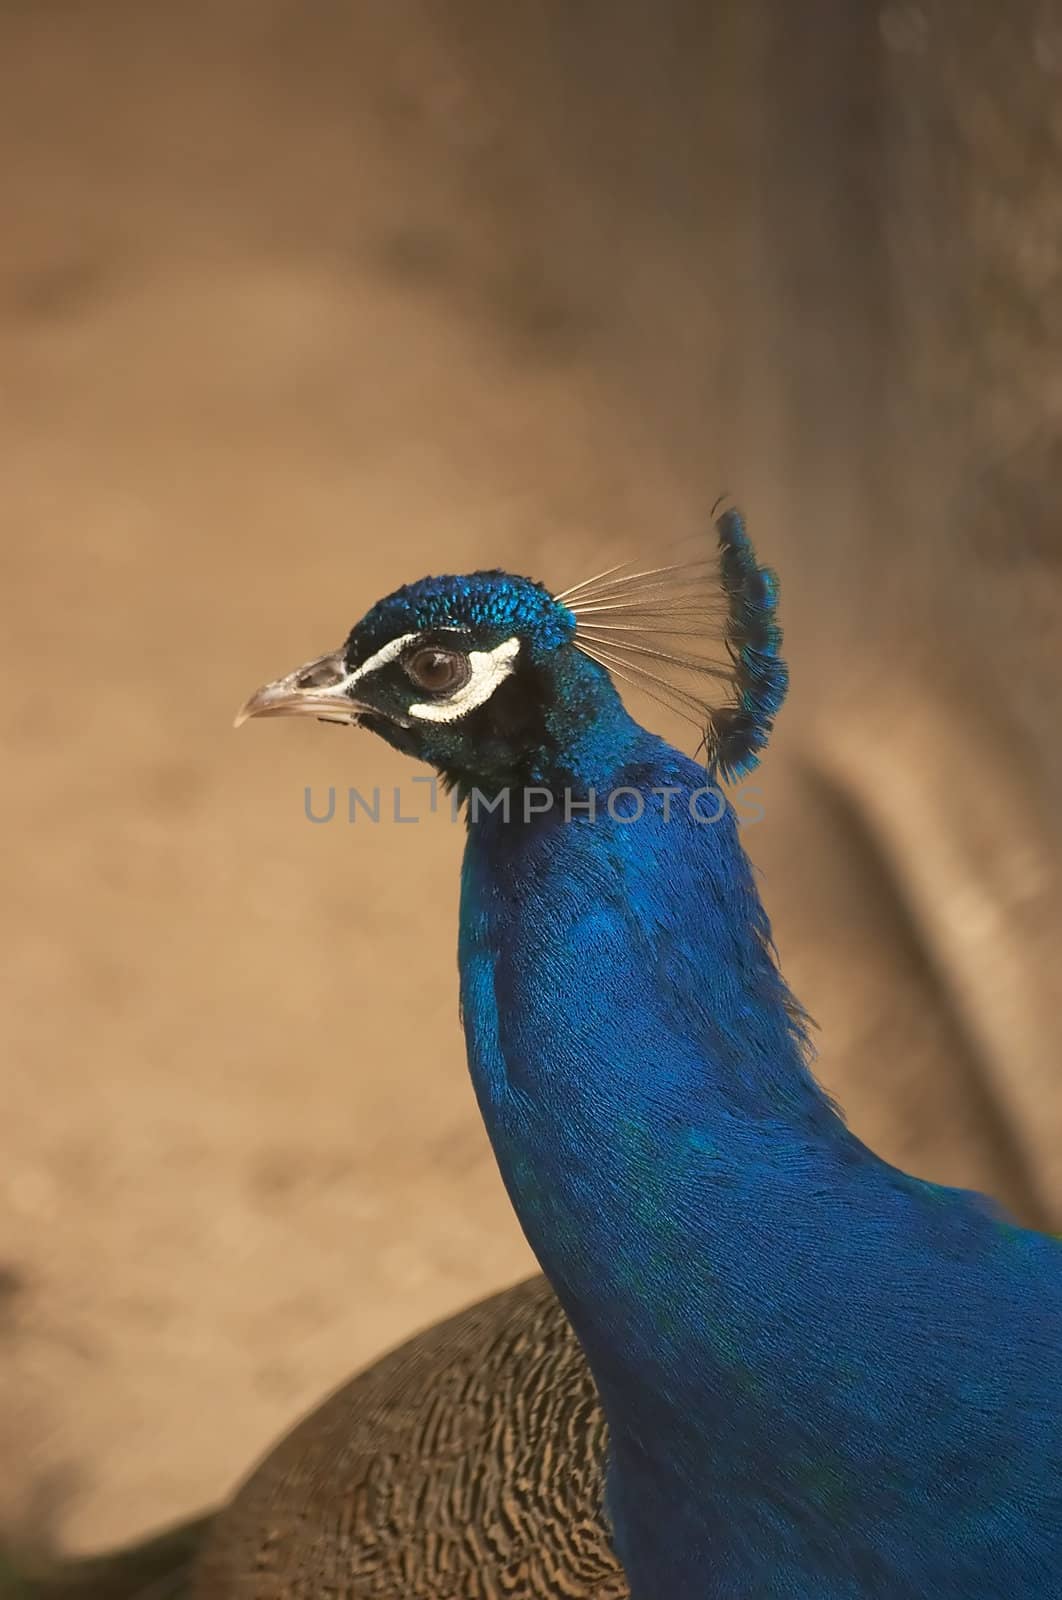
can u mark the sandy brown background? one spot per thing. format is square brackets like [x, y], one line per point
[298, 302]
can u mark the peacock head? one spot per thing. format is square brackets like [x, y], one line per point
[476, 675]
[494, 681]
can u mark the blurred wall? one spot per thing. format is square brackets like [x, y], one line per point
[297, 303]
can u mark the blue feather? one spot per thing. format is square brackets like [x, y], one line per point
[822, 1378]
[738, 733]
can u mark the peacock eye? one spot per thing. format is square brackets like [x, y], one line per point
[438, 671]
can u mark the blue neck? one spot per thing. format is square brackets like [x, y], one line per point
[629, 1036]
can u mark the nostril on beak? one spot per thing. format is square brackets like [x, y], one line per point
[321, 675]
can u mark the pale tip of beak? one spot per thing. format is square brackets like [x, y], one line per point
[253, 706]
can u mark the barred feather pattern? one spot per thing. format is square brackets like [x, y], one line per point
[638, 625]
[467, 1465]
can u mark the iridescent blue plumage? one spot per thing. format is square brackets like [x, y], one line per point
[824, 1379]
[481, 603]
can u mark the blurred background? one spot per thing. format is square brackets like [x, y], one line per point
[298, 302]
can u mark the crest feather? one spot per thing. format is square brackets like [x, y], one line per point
[638, 625]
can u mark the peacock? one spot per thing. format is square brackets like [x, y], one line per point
[821, 1376]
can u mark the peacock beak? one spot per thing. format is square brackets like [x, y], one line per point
[318, 689]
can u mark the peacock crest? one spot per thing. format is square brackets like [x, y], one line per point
[639, 626]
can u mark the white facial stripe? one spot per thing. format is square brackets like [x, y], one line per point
[386, 653]
[489, 669]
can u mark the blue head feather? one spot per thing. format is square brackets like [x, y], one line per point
[488, 606]
[543, 724]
